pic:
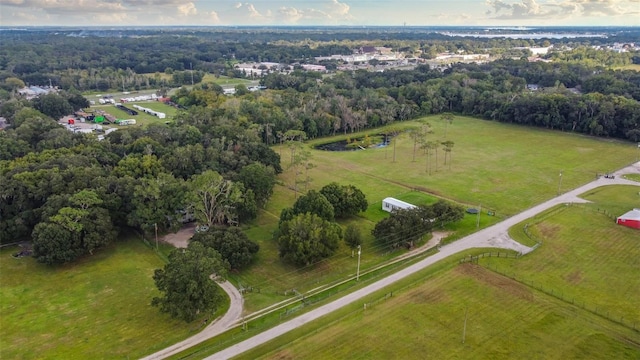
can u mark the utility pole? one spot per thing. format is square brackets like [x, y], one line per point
[358, 270]
[560, 182]
[478, 217]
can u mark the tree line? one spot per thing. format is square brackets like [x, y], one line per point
[603, 103]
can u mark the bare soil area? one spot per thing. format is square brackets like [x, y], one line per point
[181, 238]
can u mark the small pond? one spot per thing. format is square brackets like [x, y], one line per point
[374, 141]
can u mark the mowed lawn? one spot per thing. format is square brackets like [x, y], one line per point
[97, 308]
[142, 119]
[585, 257]
[504, 320]
[499, 167]
[587, 269]
[503, 167]
[634, 177]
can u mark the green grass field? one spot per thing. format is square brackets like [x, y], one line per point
[104, 309]
[574, 297]
[225, 80]
[585, 256]
[98, 308]
[635, 67]
[499, 167]
[634, 177]
[504, 320]
[142, 119]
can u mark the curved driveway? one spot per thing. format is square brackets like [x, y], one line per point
[494, 236]
[216, 327]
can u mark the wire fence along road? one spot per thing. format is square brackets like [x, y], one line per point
[493, 236]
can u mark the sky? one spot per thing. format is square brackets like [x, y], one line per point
[320, 12]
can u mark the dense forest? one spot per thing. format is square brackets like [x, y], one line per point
[72, 194]
[352, 101]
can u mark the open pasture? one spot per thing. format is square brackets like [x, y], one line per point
[503, 167]
[498, 318]
[585, 257]
[225, 81]
[574, 297]
[498, 167]
[98, 308]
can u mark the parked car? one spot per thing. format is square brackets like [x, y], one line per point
[202, 228]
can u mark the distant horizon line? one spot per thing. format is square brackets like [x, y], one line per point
[497, 27]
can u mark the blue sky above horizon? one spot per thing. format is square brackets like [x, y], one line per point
[320, 12]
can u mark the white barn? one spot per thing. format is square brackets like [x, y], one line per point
[389, 204]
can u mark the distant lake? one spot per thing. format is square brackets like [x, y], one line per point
[526, 35]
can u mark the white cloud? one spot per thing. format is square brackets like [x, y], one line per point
[559, 9]
[251, 10]
[525, 9]
[338, 12]
[187, 9]
[290, 15]
[338, 9]
[600, 7]
[214, 18]
[318, 12]
[246, 13]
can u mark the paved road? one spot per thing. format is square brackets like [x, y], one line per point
[494, 236]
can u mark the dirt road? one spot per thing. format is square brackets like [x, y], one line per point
[494, 236]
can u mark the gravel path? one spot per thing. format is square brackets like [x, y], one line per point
[494, 236]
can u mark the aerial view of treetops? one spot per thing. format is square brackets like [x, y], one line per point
[173, 190]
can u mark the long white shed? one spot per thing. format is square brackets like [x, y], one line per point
[389, 204]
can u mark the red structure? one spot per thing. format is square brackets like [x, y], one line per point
[630, 219]
[71, 121]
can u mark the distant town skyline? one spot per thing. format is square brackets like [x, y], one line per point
[320, 12]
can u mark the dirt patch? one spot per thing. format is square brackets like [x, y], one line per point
[181, 238]
[547, 231]
[431, 296]
[283, 355]
[574, 278]
[495, 280]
